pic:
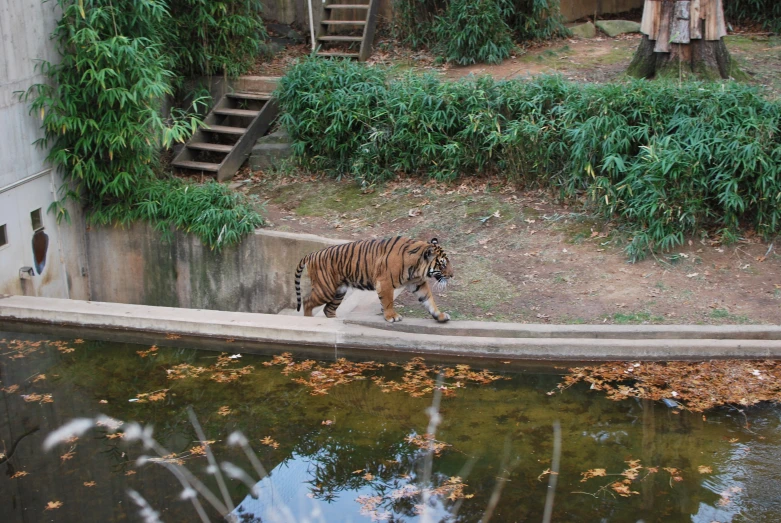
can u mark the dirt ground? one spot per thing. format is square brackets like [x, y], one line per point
[523, 256]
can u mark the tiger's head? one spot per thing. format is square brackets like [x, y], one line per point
[437, 264]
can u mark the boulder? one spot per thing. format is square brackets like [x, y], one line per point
[617, 27]
[586, 30]
[270, 150]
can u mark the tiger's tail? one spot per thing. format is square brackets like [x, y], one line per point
[299, 271]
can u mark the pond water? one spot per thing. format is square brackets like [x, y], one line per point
[356, 450]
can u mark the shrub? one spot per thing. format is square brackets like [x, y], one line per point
[473, 31]
[765, 12]
[665, 159]
[533, 19]
[102, 110]
[435, 23]
[208, 37]
[217, 215]
[104, 125]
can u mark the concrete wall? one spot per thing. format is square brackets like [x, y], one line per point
[26, 181]
[136, 266]
[575, 9]
[296, 11]
[25, 26]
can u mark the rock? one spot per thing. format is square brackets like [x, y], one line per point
[278, 136]
[270, 150]
[295, 36]
[586, 30]
[276, 44]
[616, 27]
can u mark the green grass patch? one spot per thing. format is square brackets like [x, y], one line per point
[636, 317]
[723, 314]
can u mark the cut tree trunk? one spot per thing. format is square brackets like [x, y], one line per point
[706, 59]
[683, 39]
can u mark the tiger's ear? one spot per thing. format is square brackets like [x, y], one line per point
[430, 250]
[434, 241]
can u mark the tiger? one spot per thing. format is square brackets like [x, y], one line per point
[380, 265]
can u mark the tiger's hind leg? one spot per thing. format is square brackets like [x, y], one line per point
[311, 301]
[423, 293]
[330, 308]
[321, 294]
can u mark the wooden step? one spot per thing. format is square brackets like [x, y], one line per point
[211, 147]
[250, 96]
[344, 22]
[197, 166]
[246, 113]
[333, 38]
[224, 129]
[347, 6]
[335, 54]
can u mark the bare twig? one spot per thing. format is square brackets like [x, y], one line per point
[554, 475]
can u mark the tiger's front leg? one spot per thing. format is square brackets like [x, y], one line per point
[423, 293]
[385, 292]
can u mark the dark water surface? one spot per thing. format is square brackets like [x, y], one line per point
[346, 455]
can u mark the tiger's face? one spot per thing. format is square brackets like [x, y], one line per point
[439, 266]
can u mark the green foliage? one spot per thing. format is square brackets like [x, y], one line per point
[207, 37]
[211, 211]
[473, 31]
[104, 124]
[665, 159]
[534, 19]
[101, 110]
[414, 20]
[470, 31]
[764, 12]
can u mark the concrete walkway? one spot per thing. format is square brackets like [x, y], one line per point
[425, 337]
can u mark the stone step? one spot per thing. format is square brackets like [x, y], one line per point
[244, 113]
[338, 38]
[211, 147]
[225, 129]
[197, 166]
[337, 54]
[347, 6]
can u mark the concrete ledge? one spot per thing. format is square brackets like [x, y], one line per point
[600, 332]
[449, 339]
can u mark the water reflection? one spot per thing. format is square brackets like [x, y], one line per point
[348, 455]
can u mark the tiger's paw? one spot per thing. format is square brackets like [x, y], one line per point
[394, 318]
[442, 317]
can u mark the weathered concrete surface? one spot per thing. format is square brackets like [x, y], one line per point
[220, 85]
[296, 11]
[27, 182]
[25, 27]
[135, 265]
[613, 28]
[602, 332]
[276, 330]
[576, 9]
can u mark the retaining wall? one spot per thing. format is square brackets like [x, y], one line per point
[296, 11]
[135, 265]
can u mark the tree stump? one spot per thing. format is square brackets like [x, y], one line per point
[683, 39]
